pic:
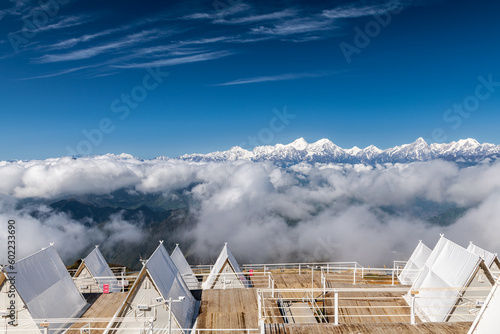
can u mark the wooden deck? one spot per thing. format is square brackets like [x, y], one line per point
[425, 328]
[103, 306]
[231, 309]
[369, 307]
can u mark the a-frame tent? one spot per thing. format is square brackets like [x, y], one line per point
[490, 259]
[487, 321]
[451, 284]
[184, 268]
[226, 273]
[146, 303]
[94, 272]
[44, 290]
[414, 264]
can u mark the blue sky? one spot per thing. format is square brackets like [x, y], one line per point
[90, 77]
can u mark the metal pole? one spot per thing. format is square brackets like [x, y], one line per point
[392, 276]
[362, 272]
[170, 315]
[336, 308]
[312, 278]
[299, 268]
[46, 330]
[354, 279]
[412, 319]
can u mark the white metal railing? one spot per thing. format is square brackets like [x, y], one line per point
[298, 266]
[253, 280]
[360, 274]
[90, 330]
[87, 284]
[339, 299]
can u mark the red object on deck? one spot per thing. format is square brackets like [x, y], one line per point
[251, 272]
[105, 288]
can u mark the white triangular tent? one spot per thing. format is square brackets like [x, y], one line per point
[490, 259]
[487, 321]
[93, 273]
[183, 266]
[452, 283]
[146, 304]
[226, 273]
[44, 291]
[414, 264]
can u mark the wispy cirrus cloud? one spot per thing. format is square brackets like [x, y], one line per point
[179, 60]
[295, 26]
[128, 41]
[67, 71]
[66, 22]
[218, 14]
[279, 77]
[72, 42]
[353, 11]
[18, 7]
[258, 18]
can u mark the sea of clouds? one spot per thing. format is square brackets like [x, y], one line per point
[266, 213]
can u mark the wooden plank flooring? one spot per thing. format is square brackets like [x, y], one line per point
[369, 307]
[424, 328]
[103, 306]
[231, 309]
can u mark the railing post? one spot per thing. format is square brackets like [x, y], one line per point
[392, 276]
[354, 279]
[362, 272]
[299, 268]
[412, 318]
[272, 289]
[336, 307]
[261, 316]
[269, 281]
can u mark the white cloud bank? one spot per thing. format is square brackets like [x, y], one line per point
[266, 213]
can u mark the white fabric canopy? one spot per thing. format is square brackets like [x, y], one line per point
[225, 257]
[100, 270]
[448, 266]
[488, 257]
[47, 289]
[184, 268]
[414, 264]
[487, 320]
[170, 284]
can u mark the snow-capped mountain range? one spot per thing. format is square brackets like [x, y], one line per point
[324, 151]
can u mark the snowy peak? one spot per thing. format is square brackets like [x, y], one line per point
[324, 151]
[299, 144]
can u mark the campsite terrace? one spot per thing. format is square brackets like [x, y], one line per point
[446, 289]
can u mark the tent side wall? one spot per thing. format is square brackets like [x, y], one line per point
[476, 292]
[25, 322]
[486, 321]
[144, 293]
[85, 282]
[227, 278]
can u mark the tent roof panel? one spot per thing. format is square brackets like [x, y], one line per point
[99, 268]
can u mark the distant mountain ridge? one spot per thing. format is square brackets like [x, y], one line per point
[324, 151]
